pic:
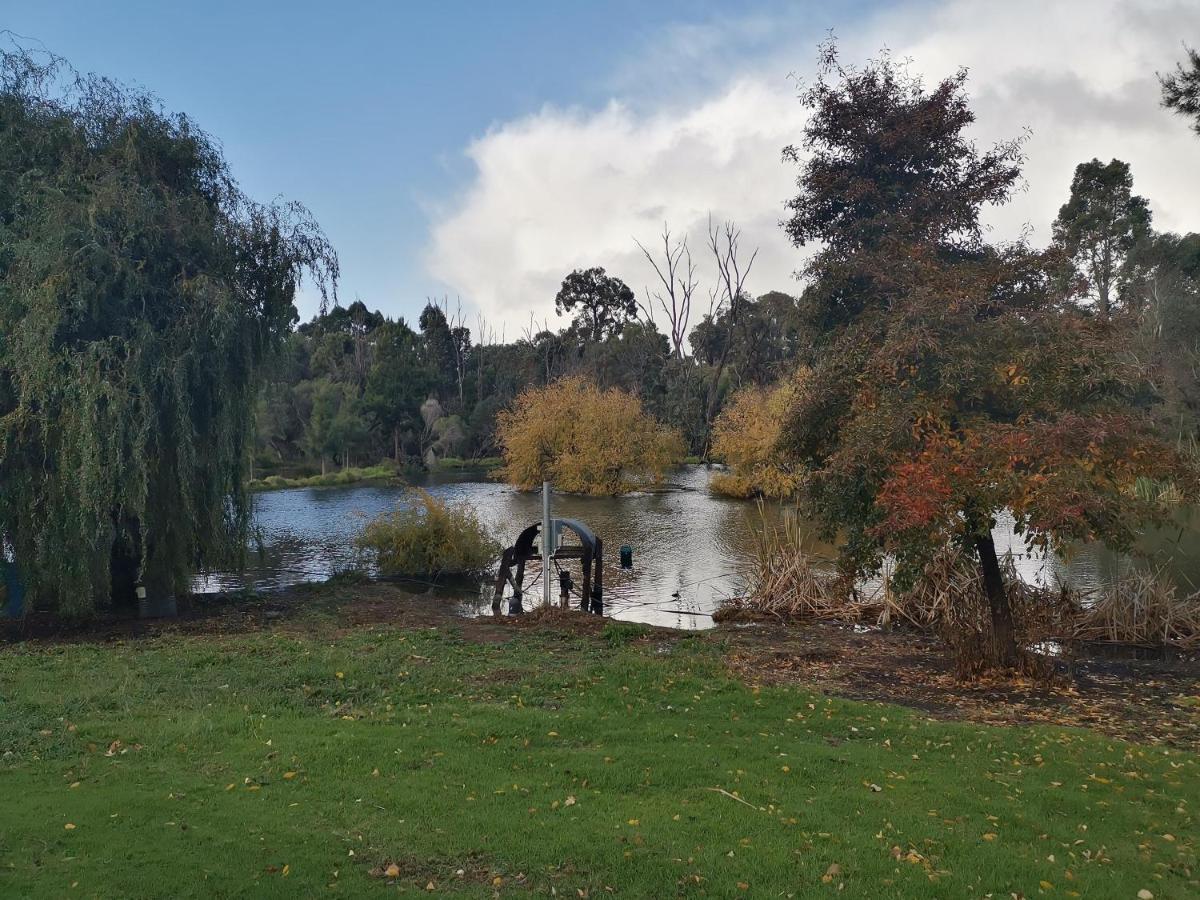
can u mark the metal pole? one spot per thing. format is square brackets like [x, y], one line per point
[547, 543]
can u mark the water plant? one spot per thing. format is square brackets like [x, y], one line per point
[429, 538]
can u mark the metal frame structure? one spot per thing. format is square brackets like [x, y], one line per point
[590, 552]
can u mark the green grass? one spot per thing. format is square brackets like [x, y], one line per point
[349, 475]
[293, 765]
[454, 463]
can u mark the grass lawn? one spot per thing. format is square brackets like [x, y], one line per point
[307, 762]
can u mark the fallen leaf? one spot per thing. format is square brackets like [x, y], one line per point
[70, 826]
[392, 871]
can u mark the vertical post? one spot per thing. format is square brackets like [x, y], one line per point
[547, 544]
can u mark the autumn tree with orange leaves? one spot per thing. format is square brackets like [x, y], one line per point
[953, 383]
[584, 439]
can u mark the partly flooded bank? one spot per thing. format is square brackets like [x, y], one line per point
[688, 545]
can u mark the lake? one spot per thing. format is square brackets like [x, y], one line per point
[687, 544]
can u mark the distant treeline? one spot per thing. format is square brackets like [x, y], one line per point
[354, 386]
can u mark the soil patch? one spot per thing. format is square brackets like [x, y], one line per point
[1149, 701]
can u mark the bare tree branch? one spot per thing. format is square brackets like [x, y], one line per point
[677, 274]
[724, 243]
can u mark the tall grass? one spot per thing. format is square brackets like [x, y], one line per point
[787, 582]
[385, 471]
[428, 539]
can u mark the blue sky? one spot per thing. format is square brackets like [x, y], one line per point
[485, 149]
[359, 110]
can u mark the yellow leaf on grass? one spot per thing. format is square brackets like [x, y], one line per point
[634, 822]
[289, 775]
[70, 826]
[392, 871]
[990, 836]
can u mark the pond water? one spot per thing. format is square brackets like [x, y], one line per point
[687, 544]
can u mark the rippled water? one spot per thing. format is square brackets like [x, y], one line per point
[687, 544]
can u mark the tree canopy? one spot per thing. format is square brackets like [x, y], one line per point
[140, 292]
[1098, 228]
[956, 383]
[1181, 89]
[604, 303]
[584, 439]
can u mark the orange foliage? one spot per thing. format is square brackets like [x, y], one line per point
[746, 437]
[584, 440]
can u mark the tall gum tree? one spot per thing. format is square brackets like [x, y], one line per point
[140, 292]
[952, 382]
[1097, 229]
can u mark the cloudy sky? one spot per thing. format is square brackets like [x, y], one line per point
[484, 150]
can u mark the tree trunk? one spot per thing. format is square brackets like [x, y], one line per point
[322, 463]
[1004, 641]
[396, 444]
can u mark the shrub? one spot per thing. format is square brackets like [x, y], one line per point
[585, 440]
[745, 437]
[428, 539]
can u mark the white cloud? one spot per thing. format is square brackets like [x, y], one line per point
[569, 188]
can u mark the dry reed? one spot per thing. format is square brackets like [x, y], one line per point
[786, 582]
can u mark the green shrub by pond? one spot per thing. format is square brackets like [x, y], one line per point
[429, 539]
[453, 463]
[385, 471]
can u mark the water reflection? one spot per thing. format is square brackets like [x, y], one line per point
[687, 544]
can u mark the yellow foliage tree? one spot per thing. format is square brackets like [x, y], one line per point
[584, 440]
[745, 436]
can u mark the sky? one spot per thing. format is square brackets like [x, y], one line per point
[481, 151]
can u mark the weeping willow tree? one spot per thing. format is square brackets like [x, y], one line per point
[140, 294]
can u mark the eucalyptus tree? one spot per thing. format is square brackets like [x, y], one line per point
[1098, 229]
[140, 292]
[602, 303]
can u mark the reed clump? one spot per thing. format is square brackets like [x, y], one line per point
[786, 582]
[1141, 608]
[428, 539]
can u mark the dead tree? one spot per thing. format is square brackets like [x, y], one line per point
[677, 275]
[728, 297]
